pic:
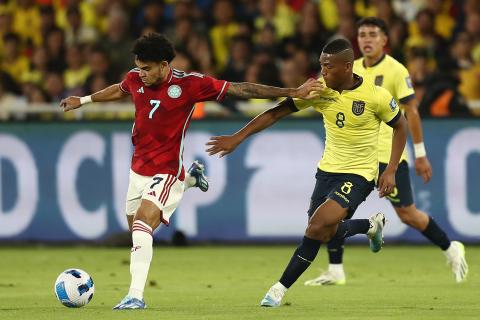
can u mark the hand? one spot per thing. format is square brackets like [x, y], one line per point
[386, 182]
[312, 88]
[70, 103]
[222, 144]
[423, 168]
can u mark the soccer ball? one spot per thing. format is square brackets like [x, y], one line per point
[74, 288]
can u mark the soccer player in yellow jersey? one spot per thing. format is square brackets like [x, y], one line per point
[352, 112]
[383, 70]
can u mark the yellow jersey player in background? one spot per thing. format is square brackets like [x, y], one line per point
[380, 69]
[352, 111]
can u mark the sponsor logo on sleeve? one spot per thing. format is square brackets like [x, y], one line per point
[393, 104]
[409, 82]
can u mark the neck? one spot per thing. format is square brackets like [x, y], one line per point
[164, 78]
[348, 84]
[370, 61]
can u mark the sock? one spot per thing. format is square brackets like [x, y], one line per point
[436, 235]
[300, 261]
[140, 258]
[280, 287]
[336, 268]
[348, 228]
[189, 181]
[335, 251]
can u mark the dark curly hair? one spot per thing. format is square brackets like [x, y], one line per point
[154, 47]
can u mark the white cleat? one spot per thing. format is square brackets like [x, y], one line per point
[273, 298]
[456, 260]
[328, 278]
[375, 233]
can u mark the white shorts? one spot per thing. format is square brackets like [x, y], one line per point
[164, 190]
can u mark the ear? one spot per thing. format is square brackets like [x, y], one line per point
[348, 66]
[384, 40]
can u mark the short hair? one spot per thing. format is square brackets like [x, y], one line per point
[154, 47]
[337, 46]
[373, 21]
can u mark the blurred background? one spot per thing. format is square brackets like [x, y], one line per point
[63, 177]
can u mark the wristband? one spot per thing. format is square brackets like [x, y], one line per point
[86, 99]
[419, 150]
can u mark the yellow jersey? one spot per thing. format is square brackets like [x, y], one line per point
[393, 76]
[352, 121]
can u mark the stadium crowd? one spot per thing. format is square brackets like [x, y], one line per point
[54, 48]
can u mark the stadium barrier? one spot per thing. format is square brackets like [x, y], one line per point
[67, 182]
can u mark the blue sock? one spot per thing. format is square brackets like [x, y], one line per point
[300, 261]
[436, 235]
[335, 250]
[348, 228]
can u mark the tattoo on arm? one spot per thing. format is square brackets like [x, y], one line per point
[249, 90]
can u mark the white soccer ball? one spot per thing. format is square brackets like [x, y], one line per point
[74, 288]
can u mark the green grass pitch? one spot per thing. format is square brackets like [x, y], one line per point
[406, 282]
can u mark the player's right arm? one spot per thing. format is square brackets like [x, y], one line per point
[389, 112]
[246, 90]
[224, 145]
[111, 93]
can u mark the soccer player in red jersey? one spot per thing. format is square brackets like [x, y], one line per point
[164, 101]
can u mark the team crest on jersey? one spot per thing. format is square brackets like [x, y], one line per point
[358, 107]
[379, 81]
[174, 91]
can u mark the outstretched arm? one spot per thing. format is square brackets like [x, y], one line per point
[110, 93]
[386, 182]
[249, 90]
[422, 165]
[227, 144]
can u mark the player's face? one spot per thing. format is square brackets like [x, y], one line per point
[335, 70]
[152, 72]
[371, 41]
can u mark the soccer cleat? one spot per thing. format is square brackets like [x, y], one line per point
[375, 232]
[456, 260]
[273, 298]
[197, 171]
[130, 303]
[327, 278]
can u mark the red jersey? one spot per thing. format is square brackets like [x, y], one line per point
[162, 116]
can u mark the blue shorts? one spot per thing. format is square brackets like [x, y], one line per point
[402, 195]
[349, 190]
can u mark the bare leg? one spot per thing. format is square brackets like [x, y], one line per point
[413, 217]
[130, 221]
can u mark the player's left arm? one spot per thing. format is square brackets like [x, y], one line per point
[422, 165]
[247, 90]
[224, 145]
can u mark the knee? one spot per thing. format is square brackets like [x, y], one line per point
[148, 217]
[319, 231]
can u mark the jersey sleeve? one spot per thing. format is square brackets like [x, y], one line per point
[125, 84]
[387, 107]
[209, 88]
[403, 86]
[300, 104]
